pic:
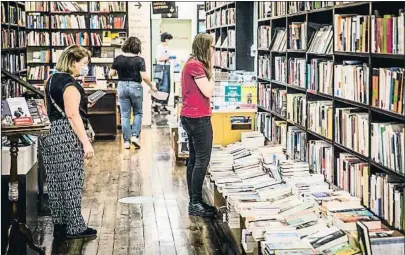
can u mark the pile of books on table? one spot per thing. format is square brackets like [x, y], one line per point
[287, 209]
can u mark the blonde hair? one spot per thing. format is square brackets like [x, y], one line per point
[71, 54]
[201, 50]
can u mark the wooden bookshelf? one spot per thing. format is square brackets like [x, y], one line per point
[325, 15]
[243, 29]
[13, 44]
[88, 12]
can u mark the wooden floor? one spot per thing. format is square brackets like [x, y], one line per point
[159, 225]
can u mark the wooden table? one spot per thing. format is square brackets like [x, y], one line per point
[19, 233]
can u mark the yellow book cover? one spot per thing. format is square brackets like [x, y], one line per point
[249, 94]
[330, 120]
[366, 176]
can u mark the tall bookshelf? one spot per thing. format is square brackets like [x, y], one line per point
[200, 18]
[94, 18]
[319, 15]
[13, 44]
[232, 31]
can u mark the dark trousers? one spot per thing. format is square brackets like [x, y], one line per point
[199, 132]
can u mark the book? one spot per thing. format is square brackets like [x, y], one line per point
[352, 82]
[20, 113]
[297, 34]
[352, 32]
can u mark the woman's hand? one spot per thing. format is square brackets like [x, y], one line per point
[153, 87]
[88, 150]
[89, 105]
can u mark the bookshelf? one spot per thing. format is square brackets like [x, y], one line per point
[13, 44]
[64, 23]
[232, 31]
[285, 81]
[200, 18]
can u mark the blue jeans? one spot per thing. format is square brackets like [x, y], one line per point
[130, 95]
[164, 84]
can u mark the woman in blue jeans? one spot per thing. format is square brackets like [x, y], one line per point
[131, 70]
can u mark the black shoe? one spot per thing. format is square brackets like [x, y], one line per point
[59, 230]
[156, 109]
[209, 207]
[89, 232]
[198, 209]
[206, 206]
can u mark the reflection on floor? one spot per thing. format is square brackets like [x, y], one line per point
[159, 225]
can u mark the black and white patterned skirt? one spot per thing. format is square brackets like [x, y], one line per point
[64, 165]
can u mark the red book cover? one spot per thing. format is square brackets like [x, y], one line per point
[389, 35]
[23, 121]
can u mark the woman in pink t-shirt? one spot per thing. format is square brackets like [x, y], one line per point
[196, 119]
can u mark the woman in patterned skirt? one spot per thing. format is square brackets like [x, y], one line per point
[68, 144]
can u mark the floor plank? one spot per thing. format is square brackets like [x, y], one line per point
[159, 225]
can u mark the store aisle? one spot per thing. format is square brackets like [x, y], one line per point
[161, 225]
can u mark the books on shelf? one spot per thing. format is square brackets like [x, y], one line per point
[68, 21]
[13, 62]
[36, 6]
[321, 42]
[228, 16]
[274, 130]
[22, 39]
[352, 32]
[264, 67]
[320, 73]
[40, 56]
[296, 108]
[297, 72]
[352, 81]
[280, 69]
[386, 194]
[38, 38]
[388, 86]
[387, 145]
[320, 158]
[36, 20]
[100, 72]
[264, 36]
[297, 33]
[351, 129]
[320, 118]
[277, 9]
[279, 101]
[66, 39]
[296, 144]
[95, 39]
[66, 7]
[265, 95]
[353, 176]
[280, 41]
[229, 41]
[38, 72]
[100, 6]
[300, 6]
[9, 38]
[107, 22]
[388, 33]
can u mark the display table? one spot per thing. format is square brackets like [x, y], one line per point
[27, 204]
[18, 192]
[228, 124]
